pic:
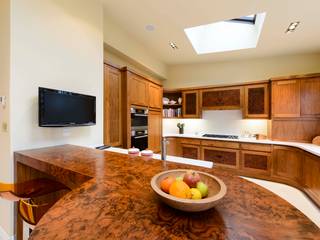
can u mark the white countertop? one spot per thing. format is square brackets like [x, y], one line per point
[189, 161]
[309, 147]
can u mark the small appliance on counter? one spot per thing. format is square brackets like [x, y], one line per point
[139, 128]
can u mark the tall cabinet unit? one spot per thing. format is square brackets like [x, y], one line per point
[112, 106]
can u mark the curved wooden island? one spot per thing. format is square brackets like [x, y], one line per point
[112, 199]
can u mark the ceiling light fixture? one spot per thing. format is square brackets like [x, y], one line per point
[292, 27]
[173, 46]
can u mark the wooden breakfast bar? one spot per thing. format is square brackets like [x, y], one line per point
[111, 198]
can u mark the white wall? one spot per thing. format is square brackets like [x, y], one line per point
[202, 74]
[56, 44]
[218, 122]
[124, 43]
[6, 163]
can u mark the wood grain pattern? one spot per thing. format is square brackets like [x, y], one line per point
[154, 130]
[138, 90]
[112, 106]
[190, 104]
[285, 98]
[256, 162]
[310, 177]
[190, 141]
[256, 101]
[310, 97]
[256, 147]
[221, 157]
[190, 151]
[222, 98]
[155, 96]
[109, 206]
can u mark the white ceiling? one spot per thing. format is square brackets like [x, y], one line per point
[171, 17]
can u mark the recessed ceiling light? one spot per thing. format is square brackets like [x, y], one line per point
[173, 46]
[150, 28]
[292, 27]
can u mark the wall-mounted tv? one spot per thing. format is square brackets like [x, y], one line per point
[59, 108]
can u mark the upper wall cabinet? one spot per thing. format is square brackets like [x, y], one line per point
[310, 97]
[286, 98]
[222, 98]
[190, 100]
[138, 90]
[256, 101]
[155, 96]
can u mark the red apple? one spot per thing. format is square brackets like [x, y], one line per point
[191, 178]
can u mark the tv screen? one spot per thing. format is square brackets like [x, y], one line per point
[59, 108]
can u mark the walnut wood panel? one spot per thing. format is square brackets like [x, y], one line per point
[295, 130]
[138, 90]
[222, 98]
[256, 147]
[256, 99]
[287, 163]
[154, 130]
[117, 203]
[222, 144]
[155, 96]
[221, 157]
[256, 162]
[286, 98]
[190, 151]
[190, 141]
[310, 97]
[112, 106]
[190, 104]
[311, 177]
[173, 147]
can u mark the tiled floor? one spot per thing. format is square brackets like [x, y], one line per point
[293, 196]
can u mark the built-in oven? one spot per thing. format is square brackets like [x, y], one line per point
[139, 128]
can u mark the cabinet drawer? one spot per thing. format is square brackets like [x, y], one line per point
[222, 144]
[190, 151]
[256, 147]
[190, 141]
[256, 162]
[221, 157]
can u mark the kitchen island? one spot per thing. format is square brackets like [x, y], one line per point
[111, 198]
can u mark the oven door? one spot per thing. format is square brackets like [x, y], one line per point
[139, 120]
[140, 142]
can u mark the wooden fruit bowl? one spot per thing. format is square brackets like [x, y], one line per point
[217, 190]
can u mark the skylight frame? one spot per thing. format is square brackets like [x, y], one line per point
[246, 19]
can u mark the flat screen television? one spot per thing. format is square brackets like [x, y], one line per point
[59, 108]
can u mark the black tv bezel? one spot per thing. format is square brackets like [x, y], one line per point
[41, 122]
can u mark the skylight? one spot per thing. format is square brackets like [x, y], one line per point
[226, 35]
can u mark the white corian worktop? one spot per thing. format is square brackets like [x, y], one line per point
[311, 148]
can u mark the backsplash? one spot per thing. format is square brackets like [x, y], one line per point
[218, 122]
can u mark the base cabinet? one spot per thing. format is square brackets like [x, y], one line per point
[311, 176]
[154, 131]
[256, 162]
[190, 151]
[221, 157]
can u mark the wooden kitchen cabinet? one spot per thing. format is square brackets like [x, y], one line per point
[155, 96]
[173, 147]
[222, 98]
[138, 90]
[221, 157]
[287, 164]
[256, 163]
[310, 97]
[112, 106]
[190, 151]
[311, 176]
[154, 130]
[256, 101]
[190, 104]
[286, 98]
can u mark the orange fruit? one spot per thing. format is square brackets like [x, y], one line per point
[180, 189]
[166, 183]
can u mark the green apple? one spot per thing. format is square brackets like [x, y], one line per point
[179, 178]
[195, 193]
[203, 188]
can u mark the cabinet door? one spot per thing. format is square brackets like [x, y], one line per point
[154, 130]
[190, 100]
[287, 164]
[256, 101]
[190, 151]
[112, 106]
[221, 157]
[310, 97]
[222, 98]
[256, 162]
[138, 90]
[173, 147]
[286, 98]
[155, 96]
[311, 176]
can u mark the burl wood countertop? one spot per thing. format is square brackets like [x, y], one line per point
[117, 202]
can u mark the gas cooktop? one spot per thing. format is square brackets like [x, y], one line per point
[221, 136]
